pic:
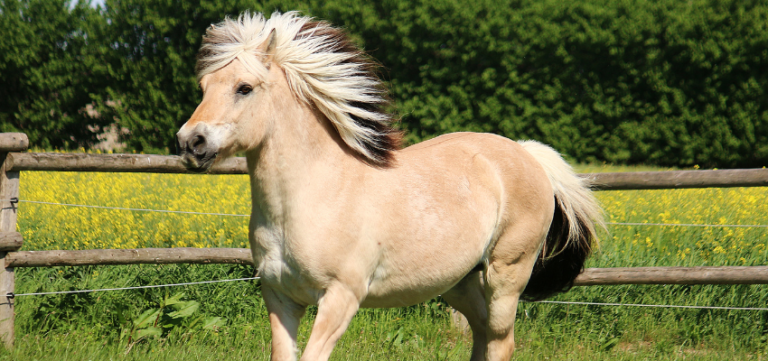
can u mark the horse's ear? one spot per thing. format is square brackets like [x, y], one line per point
[268, 49]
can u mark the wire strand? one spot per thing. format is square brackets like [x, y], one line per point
[136, 209]
[11, 295]
[129, 288]
[688, 225]
[659, 306]
[247, 215]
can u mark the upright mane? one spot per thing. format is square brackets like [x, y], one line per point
[323, 68]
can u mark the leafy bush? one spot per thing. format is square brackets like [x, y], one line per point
[663, 82]
[48, 67]
[172, 315]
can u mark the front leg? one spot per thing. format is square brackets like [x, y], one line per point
[284, 318]
[335, 310]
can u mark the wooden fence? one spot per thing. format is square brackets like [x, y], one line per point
[146, 163]
[11, 241]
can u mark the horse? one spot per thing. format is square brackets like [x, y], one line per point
[343, 217]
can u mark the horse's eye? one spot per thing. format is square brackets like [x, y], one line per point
[244, 89]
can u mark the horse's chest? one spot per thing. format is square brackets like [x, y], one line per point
[282, 276]
[279, 268]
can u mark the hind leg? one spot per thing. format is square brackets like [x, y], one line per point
[468, 297]
[502, 298]
[506, 276]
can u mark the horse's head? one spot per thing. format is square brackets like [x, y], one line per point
[249, 67]
[235, 113]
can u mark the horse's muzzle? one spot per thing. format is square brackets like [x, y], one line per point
[196, 152]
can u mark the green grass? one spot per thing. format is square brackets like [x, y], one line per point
[102, 326]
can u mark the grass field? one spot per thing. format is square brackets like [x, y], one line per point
[228, 320]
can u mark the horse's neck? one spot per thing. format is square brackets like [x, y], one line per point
[302, 155]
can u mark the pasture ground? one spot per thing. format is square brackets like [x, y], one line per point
[228, 320]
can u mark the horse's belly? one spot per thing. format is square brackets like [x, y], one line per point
[409, 286]
[402, 297]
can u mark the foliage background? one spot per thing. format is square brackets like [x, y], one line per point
[623, 81]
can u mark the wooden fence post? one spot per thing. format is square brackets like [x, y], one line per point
[10, 240]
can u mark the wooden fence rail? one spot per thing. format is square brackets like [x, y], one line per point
[129, 256]
[723, 275]
[133, 163]
[590, 277]
[173, 164]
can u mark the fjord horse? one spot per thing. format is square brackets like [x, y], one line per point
[342, 218]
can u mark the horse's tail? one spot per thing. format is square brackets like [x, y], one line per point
[573, 231]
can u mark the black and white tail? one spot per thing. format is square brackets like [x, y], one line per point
[573, 231]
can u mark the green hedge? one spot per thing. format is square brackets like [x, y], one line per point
[663, 82]
[659, 82]
[46, 71]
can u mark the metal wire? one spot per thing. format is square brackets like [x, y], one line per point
[688, 225]
[12, 295]
[660, 306]
[247, 215]
[136, 209]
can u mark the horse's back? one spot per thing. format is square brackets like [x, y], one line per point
[498, 159]
[512, 174]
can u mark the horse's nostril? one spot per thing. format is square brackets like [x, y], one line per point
[197, 144]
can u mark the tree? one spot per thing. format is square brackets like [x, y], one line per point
[47, 70]
[153, 88]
